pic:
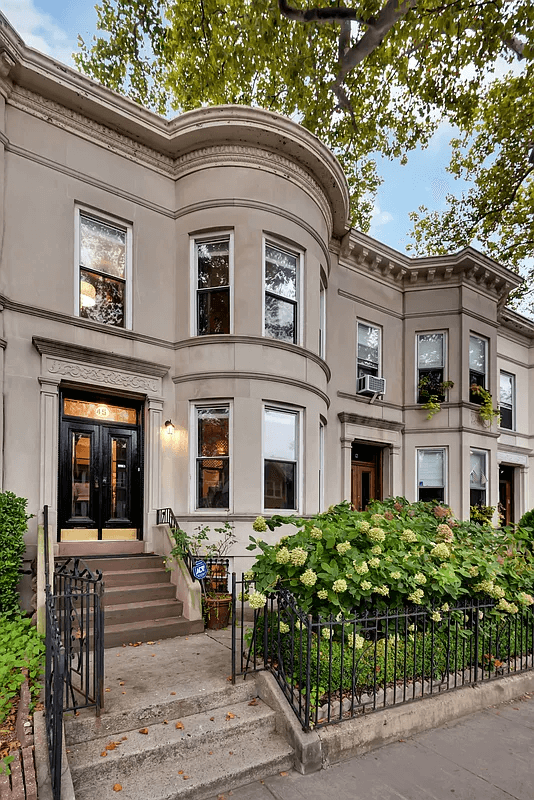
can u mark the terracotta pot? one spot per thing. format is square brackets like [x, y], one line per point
[217, 611]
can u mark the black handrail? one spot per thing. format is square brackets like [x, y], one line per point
[166, 516]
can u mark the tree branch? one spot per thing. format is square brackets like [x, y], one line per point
[390, 14]
[329, 14]
[344, 39]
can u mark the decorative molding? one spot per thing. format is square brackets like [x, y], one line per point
[261, 341]
[102, 376]
[102, 358]
[370, 422]
[252, 376]
[356, 299]
[505, 457]
[230, 155]
[95, 132]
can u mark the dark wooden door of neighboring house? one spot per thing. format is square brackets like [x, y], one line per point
[99, 471]
[366, 477]
[506, 493]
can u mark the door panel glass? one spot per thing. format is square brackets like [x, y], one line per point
[81, 475]
[119, 478]
[99, 411]
[366, 489]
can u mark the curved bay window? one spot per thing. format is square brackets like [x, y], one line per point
[213, 457]
[213, 286]
[281, 294]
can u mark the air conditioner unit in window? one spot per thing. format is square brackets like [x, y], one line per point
[369, 384]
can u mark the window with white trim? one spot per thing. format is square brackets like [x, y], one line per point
[282, 288]
[104, 267]
[322, 319]
[430, 366]
[369, 349]
[213, 270]
[212, 468]
[478, 359]
[431, 474]
[280, 458]
[507, 401]
[478, 481]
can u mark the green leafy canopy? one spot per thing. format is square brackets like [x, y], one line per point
[368, 77]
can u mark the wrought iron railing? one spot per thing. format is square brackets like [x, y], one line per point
[165, 516]
[74, 636]
[335, 669]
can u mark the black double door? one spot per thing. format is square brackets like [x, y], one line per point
[99, 481]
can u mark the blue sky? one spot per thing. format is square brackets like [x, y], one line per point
[52, 26]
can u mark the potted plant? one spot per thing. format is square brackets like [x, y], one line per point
[217, 599]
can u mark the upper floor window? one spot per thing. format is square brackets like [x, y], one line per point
[212, 456]
[478, 482]
[507, 401]
[478, 357]
[322, 319]
[213, 282]
[431, 473]
[369, 347]
[430, 366]
[281, 293]
[104, 256]
[280, 454]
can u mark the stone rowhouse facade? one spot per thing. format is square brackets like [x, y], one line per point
[253, 180]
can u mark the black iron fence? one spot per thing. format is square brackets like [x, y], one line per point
[74, 637]
[337, 668]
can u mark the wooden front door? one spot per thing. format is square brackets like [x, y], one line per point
[366, 475]
[506, 493]
[99, 470]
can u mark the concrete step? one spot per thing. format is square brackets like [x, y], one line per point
[204, 758]
[147, 630]
[116, 595]
[125, 563]
[123, 714]
[162, 741]
[141, 611]
[138, 577]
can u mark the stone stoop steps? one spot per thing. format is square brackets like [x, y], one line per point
[139, 600]
[225, 742]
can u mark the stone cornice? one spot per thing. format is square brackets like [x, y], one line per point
[65, 97]
[259, 341]
[517, 323]
[370, 422]
[252, 376]
[101, 358]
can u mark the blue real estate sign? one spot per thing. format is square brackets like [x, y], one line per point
[200, 570]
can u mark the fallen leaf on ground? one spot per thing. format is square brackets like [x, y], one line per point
[124, 738]
[186, 777]
[143, 730]
[230, 715]
[151, 642]
[173, 692]
[283, 774]
[111, 746]
[104, 753]
[124, 692]
[117, 788]
[180, 772]
[210, 753]
[165, 721]
[180, 726]
[229, 678]
[107, 690]
[230, 752]
[254, 702]
[121, 683]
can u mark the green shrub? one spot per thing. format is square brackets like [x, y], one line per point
[527, 520]
[395, 554]
[20, 647]
[13, 525]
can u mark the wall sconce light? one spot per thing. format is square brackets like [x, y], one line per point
[169, 427]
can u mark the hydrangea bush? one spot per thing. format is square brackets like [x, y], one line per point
[395, 554]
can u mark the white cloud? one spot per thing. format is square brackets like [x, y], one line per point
[379, 217]
[39, 30]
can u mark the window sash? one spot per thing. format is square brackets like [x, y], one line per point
[477, 472]
[213, 279]
[477, 354]
[368, 349]
[507, 400]
[431, 468]
[103, 255]
[430, 351]
[212, 469]
[281, 275]
[280, 458]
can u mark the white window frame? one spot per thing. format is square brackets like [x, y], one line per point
[299, 413]
[298, 253]
[117, 222]
[194, 456]
[485, 453]
[445, 358]
[484, 339]
[381, 332]
[512, 376]
[209, 236]
[322, 318]
[443, 450]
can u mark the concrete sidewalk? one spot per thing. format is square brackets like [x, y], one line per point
[486, 756]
